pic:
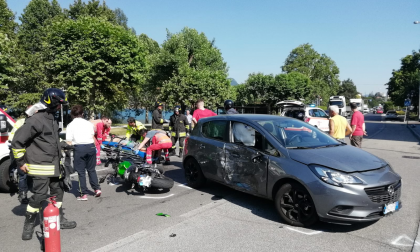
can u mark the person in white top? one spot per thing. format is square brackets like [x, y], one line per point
[80, 134]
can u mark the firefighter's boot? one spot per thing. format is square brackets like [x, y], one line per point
[29, 226]
[64, 223]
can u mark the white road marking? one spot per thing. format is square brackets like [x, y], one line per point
[405, 241]
[125, 241]
[306, 233]
[203, 208]
[184, 185]
[163, 197]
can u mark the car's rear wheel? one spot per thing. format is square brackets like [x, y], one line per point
[295, 205]
[193, 174]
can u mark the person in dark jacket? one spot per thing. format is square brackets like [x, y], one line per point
[229, 108]
[36, 148]
[157, 118]
[179, 126]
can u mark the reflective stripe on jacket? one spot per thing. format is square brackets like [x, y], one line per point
[134, 130]
[37, 144]
[17, 125]
[179, 125]
[162, 138]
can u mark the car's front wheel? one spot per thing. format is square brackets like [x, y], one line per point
[295, 205]
[193, 174]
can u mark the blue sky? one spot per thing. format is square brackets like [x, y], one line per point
[366, 38]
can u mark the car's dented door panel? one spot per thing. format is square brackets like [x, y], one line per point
[241, 172]
[211, 157]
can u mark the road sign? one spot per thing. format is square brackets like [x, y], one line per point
[407, 103]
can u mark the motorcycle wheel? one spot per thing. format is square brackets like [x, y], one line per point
[162, 182]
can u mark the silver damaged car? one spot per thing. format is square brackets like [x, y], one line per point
[309, 175]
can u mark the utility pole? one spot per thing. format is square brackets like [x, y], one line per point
[61, 124]
[418, 107]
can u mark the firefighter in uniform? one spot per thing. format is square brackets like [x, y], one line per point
[36, 148]
[179, 126]
[229, 110]
[157, 118]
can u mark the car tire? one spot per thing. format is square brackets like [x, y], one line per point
[193, 174]
[5, 184]
[295, 205]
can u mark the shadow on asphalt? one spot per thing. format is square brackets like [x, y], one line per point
[393, 132]
[264, 208]
[260, 207]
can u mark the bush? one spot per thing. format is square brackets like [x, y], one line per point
[400, 112]
[323, 107]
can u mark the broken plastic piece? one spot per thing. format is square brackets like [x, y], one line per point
[162, 214]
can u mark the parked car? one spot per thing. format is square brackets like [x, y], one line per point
[391, 115]
[308, 174]
[310, 114]
[379, 111]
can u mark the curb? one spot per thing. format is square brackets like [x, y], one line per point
[417, 135]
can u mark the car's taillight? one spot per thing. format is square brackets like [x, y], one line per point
[307, 119]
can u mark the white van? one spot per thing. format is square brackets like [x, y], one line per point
[310, 114]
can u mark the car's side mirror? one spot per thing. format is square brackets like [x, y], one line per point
[3, 124]
[257, 158]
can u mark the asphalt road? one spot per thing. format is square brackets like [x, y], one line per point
[217, 218]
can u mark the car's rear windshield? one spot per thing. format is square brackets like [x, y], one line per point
[295, 134]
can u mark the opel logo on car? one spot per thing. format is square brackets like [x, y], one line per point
[391, 190]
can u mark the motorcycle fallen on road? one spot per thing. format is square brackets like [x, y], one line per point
[129, 166]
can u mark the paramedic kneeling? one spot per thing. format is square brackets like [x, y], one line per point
[160, 141]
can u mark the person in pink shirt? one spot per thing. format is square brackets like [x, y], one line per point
[102, 127]
[201, 112]
[358, 127]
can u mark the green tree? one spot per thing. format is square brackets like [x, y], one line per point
[319, 68]
[8, 65]
[190, 67]
[269, 89]
[405, 81]
[98, 62]
[94, 8]
[348, 90]
[147, 95]
[35, 19]
[7, 20]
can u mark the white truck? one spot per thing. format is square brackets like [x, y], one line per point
[340, 101]
[365, 109]
[359, 103]
[6, 126]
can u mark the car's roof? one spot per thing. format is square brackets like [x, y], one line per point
[248, 117]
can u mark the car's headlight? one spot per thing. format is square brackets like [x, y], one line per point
[334, 177]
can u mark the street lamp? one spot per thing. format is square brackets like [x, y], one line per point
[418, 22]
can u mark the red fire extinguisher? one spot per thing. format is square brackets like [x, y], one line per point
[52, 227]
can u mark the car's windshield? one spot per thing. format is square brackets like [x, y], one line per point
[337, 103]
[295, 134]
[318, 113]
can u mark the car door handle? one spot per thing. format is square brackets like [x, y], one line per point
[202, 146]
